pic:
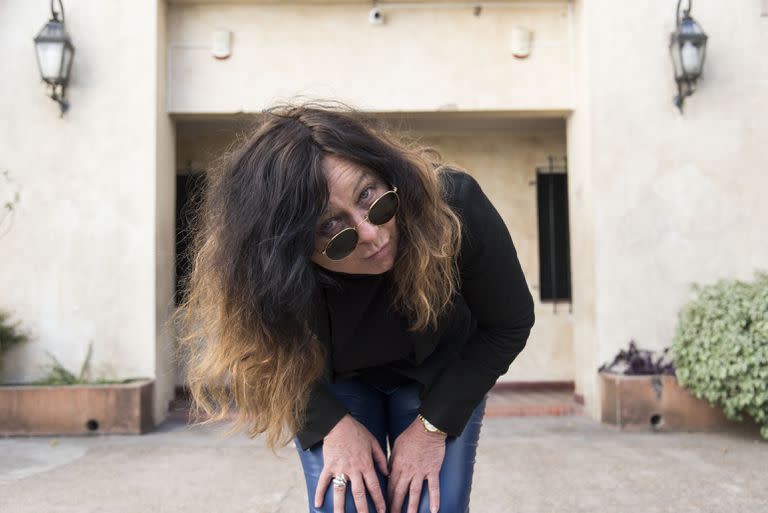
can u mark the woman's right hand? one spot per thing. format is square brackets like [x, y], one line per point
[350, 448]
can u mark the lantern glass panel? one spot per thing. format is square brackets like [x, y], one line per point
[50, 55]
[691, 57]
[68, 51]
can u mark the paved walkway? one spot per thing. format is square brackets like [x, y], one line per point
[566, 464]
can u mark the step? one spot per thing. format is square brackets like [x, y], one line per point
[504, 400]
[516, 402]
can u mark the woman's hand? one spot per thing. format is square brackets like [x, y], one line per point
[416, 455]
[350, 448]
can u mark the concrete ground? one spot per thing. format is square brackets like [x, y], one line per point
[524, 465]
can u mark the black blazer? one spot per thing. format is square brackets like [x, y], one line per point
[476, 341]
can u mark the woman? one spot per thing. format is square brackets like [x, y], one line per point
[352, 295]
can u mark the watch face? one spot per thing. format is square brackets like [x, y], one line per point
[428, 425]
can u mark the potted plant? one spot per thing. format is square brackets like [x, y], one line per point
[10, 335]
[640, 391]
[63, 403]
[721, 348]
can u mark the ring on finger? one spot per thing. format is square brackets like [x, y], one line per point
[340, 480]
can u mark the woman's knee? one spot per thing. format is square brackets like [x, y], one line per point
[312, 464]
[453, 499]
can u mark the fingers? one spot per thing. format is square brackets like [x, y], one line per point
[372, 482]
[322, 486]
[358, 494]
[380, 458]
[414, 494]
[433, 483]
[397, 491]
[358, 483]
[339, 496]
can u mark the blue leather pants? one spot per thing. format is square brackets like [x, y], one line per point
[386, 412]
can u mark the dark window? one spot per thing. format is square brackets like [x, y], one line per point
[554, 246]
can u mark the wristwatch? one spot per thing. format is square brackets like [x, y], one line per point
[429, 427]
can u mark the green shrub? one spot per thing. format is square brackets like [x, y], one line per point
[720, 347]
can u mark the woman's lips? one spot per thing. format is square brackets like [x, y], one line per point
[381, 252]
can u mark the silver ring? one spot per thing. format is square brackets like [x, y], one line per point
[340, 480]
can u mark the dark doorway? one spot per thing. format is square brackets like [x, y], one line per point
[188, 194]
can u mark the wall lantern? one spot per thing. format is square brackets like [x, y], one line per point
[54, 55]
[688, 46]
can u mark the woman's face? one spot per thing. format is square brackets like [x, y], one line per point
[352, 191]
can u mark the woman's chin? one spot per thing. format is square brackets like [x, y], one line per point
[374, 266]
[383, 267]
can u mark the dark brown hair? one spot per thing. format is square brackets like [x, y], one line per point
[246, 335]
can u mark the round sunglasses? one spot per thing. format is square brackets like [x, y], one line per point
[381, 211]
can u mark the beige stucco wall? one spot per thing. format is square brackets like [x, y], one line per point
[165, 227]
[503, 155]
[422, 59]
[669, 199]
[581, 212]
[657, 200]
[79, 263]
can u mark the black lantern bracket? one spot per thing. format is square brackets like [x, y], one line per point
[54, 51]
[687, 47]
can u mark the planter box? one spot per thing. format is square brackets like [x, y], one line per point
[657, 403]
[124, 408]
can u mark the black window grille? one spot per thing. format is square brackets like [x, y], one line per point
[554, 238]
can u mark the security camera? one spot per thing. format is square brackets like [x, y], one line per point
[375, 16]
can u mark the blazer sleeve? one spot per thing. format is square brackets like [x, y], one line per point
[495, 290]
[323, 412]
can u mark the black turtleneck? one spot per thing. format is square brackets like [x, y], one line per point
[474, 344]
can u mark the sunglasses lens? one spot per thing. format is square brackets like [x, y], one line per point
[384, 209]
[342, 244]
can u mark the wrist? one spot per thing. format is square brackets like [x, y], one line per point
[430, 428]
[338, 426]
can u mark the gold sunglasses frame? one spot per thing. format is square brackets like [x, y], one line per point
[394, 190]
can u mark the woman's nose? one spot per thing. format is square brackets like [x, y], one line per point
[366, 231]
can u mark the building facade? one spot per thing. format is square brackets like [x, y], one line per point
[615, 200]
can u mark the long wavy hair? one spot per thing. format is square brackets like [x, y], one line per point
[244, 321]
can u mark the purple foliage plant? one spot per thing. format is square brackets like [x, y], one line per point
[639, 362]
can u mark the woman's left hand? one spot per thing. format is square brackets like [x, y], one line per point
[416, 455]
